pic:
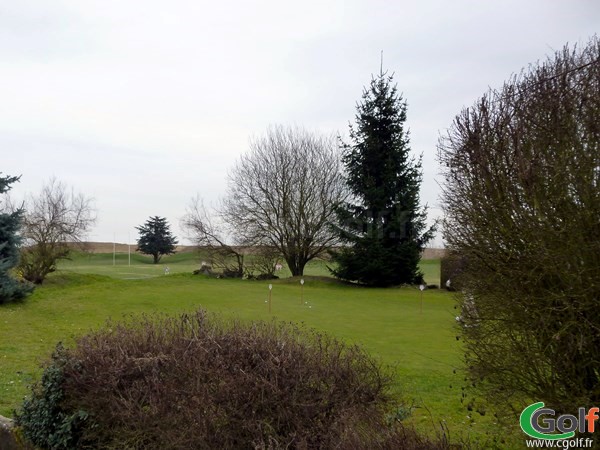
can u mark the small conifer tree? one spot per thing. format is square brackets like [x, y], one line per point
[156, 238]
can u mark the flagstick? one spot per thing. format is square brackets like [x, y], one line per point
[270, 289]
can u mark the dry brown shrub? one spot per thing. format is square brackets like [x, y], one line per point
[195, 381]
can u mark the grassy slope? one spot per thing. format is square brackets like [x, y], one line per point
[387, 322]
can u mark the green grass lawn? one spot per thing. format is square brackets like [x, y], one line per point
[136, 266]
[412, 331]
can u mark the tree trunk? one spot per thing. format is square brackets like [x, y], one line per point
[296, 265]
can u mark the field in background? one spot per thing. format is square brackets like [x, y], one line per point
[108, 247]
[131, 265]
[411, 331]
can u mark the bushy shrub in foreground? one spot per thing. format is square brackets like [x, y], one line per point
[195, 382]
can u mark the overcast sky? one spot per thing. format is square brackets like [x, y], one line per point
[143, 104]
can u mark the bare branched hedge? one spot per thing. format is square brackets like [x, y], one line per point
[521, 198]
[195, 382]
[451, 266]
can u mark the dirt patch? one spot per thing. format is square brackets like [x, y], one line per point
[433, 253]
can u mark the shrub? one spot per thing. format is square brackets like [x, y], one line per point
[266, 276]
[45, 423]
[230, 273]
[521, 198]
[198, 382]
[451, 266]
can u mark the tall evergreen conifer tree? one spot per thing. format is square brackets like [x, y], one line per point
[382, 225]
[10, 288]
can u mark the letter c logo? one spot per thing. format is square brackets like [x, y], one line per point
[526, 421]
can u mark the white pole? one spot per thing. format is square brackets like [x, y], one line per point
[114, 248]
[270, 289]
[129, 247]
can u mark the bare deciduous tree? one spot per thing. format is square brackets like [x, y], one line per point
[283, 192]
[211, 238]
[54, 220]
[264, 260]
[222, 246]
[522, 203]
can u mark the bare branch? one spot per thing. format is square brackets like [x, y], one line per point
[53, 221]
[283, 192]
[211, 239]
[522, 204]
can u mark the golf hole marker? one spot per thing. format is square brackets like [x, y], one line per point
[270, 290]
